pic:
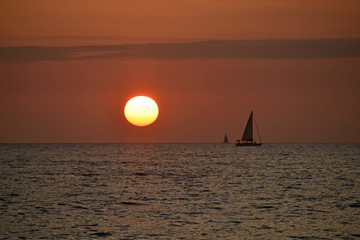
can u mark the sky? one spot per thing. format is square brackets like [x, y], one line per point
[67, 68]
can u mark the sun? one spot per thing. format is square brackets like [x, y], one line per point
[141, 111]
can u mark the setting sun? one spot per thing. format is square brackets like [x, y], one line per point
[141, 111]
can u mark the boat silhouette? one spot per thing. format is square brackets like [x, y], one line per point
[247, 138]
[226, 140]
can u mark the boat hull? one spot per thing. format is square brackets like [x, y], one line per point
[248, 144]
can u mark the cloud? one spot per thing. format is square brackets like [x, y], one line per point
[222, 49]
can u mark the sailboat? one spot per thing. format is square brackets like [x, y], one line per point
[247, 138]
[226, 140]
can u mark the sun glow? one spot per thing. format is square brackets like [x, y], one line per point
[141, 111]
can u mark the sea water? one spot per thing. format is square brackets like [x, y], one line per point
[179, 191]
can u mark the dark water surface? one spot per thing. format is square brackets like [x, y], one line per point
[179, 191]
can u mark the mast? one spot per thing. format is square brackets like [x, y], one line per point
[248, 132]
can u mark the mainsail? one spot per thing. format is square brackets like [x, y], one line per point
[248, 132]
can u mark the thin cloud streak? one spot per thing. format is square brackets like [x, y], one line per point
[222, 49]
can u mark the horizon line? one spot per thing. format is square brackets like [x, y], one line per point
[229, 143]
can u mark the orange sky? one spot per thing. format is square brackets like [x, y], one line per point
[68, 22]
[58, 99]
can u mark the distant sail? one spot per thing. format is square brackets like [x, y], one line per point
[226, 140]
[248, 132]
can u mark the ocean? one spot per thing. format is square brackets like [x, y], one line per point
[179, 191]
